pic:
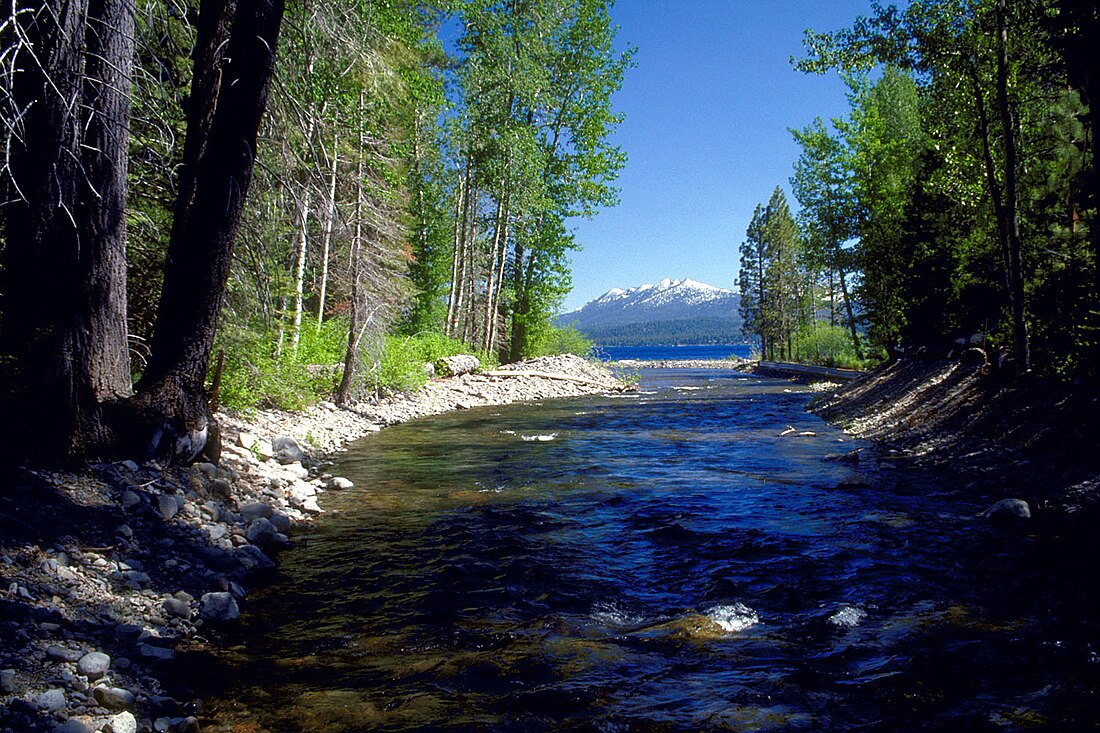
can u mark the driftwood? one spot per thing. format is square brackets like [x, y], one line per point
[560, 377]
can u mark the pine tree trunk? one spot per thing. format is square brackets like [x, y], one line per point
[63, 272]
[234, 63]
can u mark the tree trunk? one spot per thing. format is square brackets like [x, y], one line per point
[326, 242]
[64, 263]
[848, 312]
[1014, 265]
[300, 270]
[343, 392]
[233, 65]
[456, 255]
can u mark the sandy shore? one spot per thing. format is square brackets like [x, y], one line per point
[107, 573]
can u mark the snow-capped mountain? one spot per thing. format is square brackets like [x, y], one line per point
[672, 311]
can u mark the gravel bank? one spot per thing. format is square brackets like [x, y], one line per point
[106, 574]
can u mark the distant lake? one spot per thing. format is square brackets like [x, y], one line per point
[659, 353]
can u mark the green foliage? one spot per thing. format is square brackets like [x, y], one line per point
[554, 340]
[257, 375]
[826, 345]
[401, 365]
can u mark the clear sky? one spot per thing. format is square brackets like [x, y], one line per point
[707, 109]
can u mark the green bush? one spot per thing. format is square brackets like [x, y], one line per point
[258, 373]
[554, 340]
[826, 345]
[401, 367]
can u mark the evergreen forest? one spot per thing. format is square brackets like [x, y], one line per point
[953, 207]
[212, 202]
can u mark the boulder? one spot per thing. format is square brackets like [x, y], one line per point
[1008, 510]
[339, 482]
[113, 698]
[256, 510]
[454, 366]
[51, 700]
[288, 451]
[261, 531]
[260, 447]
[177, 608]
[253, 558]
[124, 722]
[219, 607]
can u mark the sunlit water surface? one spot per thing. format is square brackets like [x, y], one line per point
[659, 561]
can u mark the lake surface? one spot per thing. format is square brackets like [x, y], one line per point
[660, 561]
[680, 353]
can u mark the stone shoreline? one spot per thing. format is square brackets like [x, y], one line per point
[107, 573]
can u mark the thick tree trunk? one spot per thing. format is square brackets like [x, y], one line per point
[229, 94]
[64, 263]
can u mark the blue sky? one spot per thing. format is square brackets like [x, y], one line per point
[707, 109]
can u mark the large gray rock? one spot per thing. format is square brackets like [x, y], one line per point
[255, 510]
[124, 722]
[219, 607]
[177, 608]
[260, 531]
[94, 665]
[1008, 510]
[454, 366]
[253, 558]
[51, 700]
[113, 698]
[168, 506]
[63, 654]
[7, 680]
[287, 450]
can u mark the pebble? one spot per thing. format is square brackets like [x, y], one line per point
[94, 665]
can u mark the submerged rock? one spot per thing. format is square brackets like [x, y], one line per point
[220, 607]
[1008, 510]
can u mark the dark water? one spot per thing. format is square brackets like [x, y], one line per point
[661, 353]
[663, 561]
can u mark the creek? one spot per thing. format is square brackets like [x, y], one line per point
[658, 561]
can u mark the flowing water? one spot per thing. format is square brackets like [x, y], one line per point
[659, 561]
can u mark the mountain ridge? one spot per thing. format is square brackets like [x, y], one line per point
[672, 311]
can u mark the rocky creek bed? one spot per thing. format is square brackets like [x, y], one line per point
[106, 573]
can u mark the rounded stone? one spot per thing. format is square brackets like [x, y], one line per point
[124, 722]
[1009, 510]
[176, 607]
[113, 698]
[51, 700]
[219, 607]
[94, 665]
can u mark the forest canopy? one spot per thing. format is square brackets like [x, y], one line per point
[214, 197]
[956, 202]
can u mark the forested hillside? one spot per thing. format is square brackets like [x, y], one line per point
[956, 201]
[215, 197]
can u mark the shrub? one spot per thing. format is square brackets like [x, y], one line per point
[401, 367]
[826, 345]
[554, 340]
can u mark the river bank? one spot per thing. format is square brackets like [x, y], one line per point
[1030, 439]
[106, 573]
